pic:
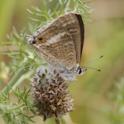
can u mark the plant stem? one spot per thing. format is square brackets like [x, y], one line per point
[21, 71]
[57, 121]
[67, 119]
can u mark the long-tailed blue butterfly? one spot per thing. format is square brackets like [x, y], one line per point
[60, 43]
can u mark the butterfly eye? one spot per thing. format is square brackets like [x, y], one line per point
[33, 42]
[79, 70]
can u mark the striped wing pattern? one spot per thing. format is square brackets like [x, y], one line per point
[61, 41]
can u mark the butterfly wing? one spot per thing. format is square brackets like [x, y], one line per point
[60, 42]
[57, 46]
[59, 50]
[79, 46]
[73, 23]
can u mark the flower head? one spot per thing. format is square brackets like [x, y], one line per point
[50, 94]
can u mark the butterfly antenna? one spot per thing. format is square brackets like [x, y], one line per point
[100, 57]
[92, 68]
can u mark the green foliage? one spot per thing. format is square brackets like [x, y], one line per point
[49, 10]
[16, 112]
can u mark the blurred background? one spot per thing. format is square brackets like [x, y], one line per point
[98, 96]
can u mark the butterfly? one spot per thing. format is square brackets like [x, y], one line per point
[60, 43]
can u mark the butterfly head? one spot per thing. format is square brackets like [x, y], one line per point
[31, 40]
[80, 70]
[35, 39]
